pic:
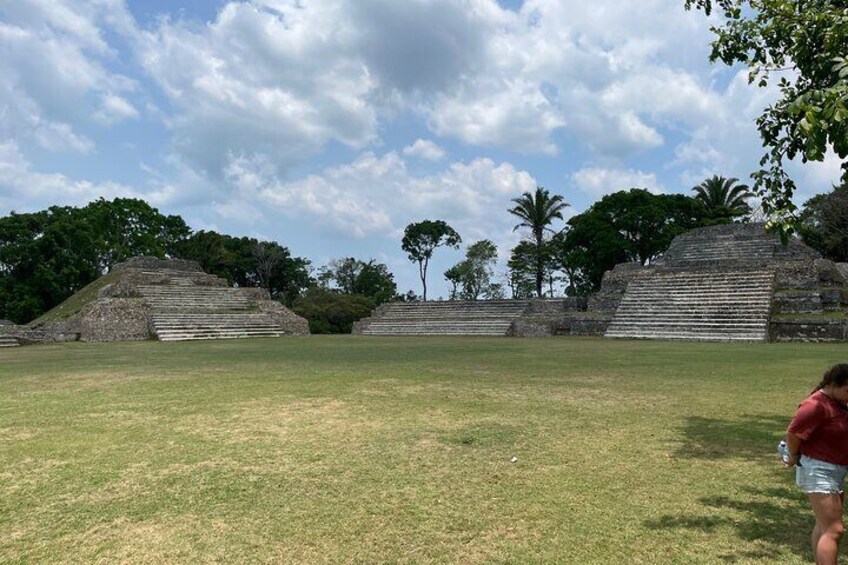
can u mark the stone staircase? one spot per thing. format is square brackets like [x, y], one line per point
[182, 296]
[718, 305]
[8, 341]
[481, 318]
[182, 311]
[183, 326]
[724, 249]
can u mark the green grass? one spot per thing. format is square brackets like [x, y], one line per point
[365, 450]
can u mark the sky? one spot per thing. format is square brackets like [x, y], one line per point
[330, 125]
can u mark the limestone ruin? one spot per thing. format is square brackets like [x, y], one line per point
[168, 300]
[722, 283]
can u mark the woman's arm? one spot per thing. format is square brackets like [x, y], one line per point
[793, 442]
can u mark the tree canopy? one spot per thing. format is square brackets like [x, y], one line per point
[802, 46]
[824, 223]
[422, 238]
[630, 225]
[353, 276]
[471, 278]
[248, 262]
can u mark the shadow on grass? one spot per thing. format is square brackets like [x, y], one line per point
[750, 437]
[777, 520]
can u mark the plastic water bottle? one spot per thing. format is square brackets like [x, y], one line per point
[783, 449]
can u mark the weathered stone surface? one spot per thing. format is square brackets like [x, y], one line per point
[797, 302]
[170, 300]
[566, 323]
[288, 320]
[808, 329]
[45, 334]
[114, 319]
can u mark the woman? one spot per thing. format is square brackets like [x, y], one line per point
[817, 440]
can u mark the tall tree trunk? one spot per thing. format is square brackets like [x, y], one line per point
[540, 264]
[422, 270]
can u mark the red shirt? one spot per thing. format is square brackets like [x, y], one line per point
[823, 425]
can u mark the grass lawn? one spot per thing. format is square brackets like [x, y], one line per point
[364, 450]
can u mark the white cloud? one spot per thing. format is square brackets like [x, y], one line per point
[23, 189]
[598, 181]
[264, 76]
[376, 195]
[115, 109]
[424, 149]
[54, 63]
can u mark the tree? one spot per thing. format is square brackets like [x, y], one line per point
[422, 238]
[722, 199]
[352, 276]
[129, 227]
[823, 223]
[523, 264]
[537, 212]
[330, 312]
[569, 260]
[800, 44]
[471, 278]
[632, 225]
[248, 262]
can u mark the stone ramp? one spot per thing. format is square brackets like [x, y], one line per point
[719, 305]
[482, 318]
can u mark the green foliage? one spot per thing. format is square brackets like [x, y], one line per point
[47, 256]
[823, 223]
[330, 312]
[537, 211]
[800, 45]
[523, 264]
[422, 238]
[471, 278]
[248, 262]
[722, 199]
[632, 225]
[352, 276]
[128, 227]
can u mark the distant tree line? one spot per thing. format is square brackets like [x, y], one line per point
[47, 256]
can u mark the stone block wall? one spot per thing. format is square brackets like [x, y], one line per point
[291, 322]
[114, 319]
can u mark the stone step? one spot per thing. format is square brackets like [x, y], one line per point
[195, 336]
[718, 305]
[8, 341]
[418, 331]
[687, 336]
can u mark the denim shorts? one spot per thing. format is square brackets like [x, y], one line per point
[815, 476]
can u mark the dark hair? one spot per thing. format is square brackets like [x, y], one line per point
[836, 375]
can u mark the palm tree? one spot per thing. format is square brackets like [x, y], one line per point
[537, 212]
[723, 199]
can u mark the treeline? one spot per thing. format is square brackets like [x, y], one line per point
[47, 256]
